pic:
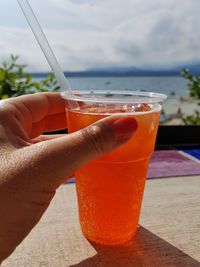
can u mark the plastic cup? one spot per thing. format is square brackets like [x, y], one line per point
[110, 188]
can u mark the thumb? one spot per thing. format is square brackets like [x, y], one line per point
[58, 159]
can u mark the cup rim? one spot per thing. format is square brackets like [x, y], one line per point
[111, 97]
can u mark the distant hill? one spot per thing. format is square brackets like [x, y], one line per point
[193, 68]
[128, 72]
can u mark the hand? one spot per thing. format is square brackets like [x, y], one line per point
[34, 166]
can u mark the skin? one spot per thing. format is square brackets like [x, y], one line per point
[33, 166]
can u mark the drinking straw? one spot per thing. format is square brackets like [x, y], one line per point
[44, 44]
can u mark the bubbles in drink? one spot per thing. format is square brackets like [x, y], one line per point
[113, 108]
[133, 108]
[142, 107]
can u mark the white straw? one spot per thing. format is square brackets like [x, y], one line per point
[44, 44]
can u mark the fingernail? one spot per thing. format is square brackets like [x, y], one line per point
[124, 128]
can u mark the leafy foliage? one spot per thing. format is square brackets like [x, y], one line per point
[14, 81]
[192, 119]
[193, 85]
[194, 92]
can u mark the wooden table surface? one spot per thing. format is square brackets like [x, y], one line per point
[169, 234]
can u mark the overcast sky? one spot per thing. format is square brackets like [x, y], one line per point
[100, 33]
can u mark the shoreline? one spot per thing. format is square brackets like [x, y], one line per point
[176, 107]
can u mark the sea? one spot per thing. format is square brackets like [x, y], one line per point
[175, 87]
[171, 86]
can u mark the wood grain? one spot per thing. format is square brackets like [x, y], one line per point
[169, 234]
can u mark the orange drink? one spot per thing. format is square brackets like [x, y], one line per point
[110, 188]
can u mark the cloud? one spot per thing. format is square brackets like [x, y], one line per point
[92, 33]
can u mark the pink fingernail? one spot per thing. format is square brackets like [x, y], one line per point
[124, 128]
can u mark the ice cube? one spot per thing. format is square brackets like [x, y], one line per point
[142, 107]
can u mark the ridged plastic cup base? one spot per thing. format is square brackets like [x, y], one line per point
[109, 242]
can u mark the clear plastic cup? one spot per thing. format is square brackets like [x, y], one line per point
[110, 188]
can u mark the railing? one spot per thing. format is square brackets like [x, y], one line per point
[172, 137]
[178, 136]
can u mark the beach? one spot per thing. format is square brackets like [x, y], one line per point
[176, 107]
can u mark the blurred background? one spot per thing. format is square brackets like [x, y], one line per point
[109, 44]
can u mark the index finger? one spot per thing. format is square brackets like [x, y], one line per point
[39, 105]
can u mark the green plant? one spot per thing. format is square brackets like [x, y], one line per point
[193, 119]
[193, 85]
[14, 81]
[194, 92]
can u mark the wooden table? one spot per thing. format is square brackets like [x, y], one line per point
[169, 234]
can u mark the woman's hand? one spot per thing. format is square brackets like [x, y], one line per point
[34, 166]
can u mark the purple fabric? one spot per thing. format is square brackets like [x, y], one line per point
[172, 163]
[169, 163]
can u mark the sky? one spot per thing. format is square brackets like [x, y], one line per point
[91, 34]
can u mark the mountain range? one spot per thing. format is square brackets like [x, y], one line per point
[129, 71]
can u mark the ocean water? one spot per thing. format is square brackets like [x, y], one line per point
[172, 86]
